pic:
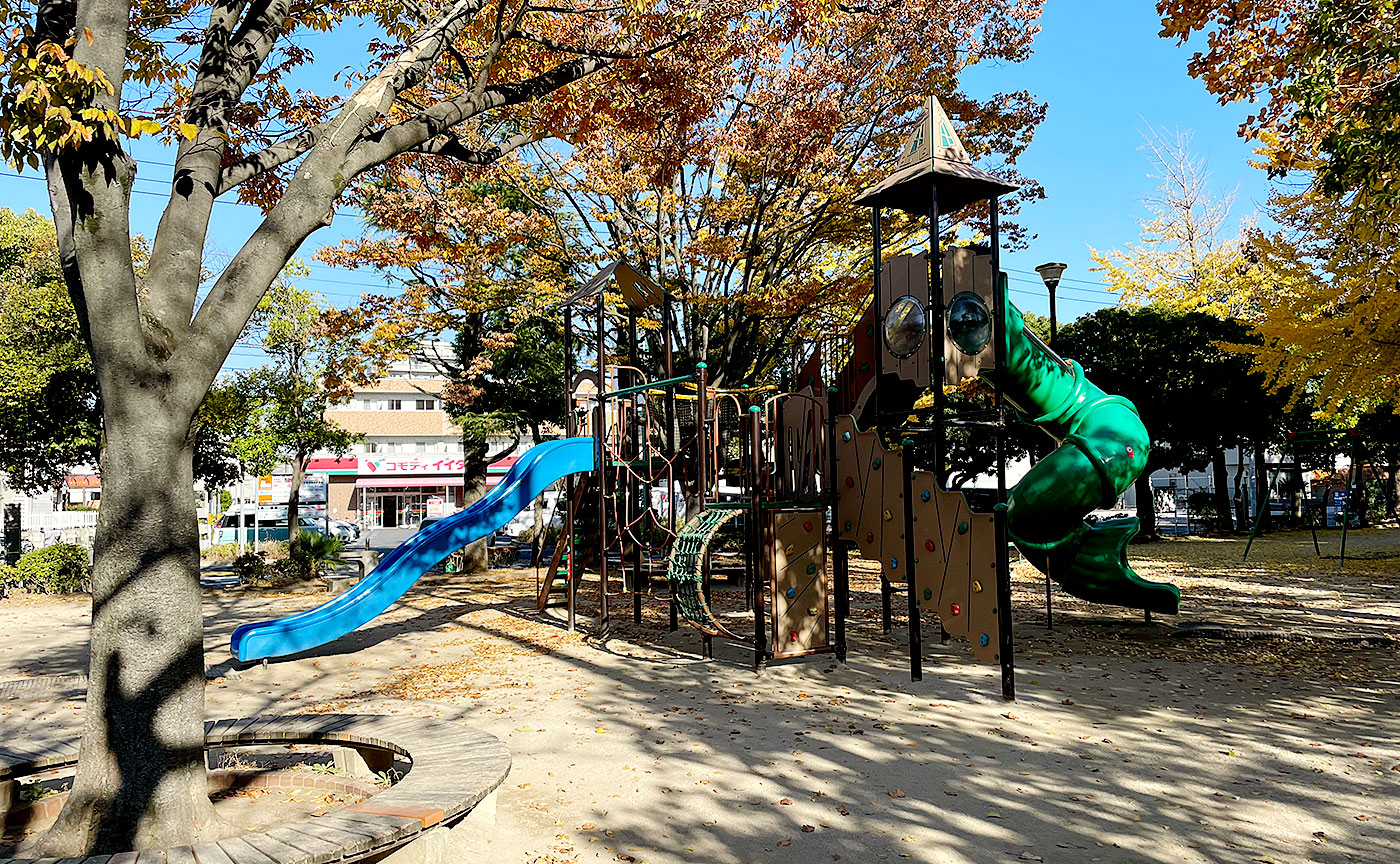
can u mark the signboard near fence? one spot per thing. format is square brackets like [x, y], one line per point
[276, 488]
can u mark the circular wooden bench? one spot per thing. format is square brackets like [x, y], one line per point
[454, 769]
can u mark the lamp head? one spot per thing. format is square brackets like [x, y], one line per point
[1050, 274]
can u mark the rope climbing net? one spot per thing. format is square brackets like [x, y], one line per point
[685, 570]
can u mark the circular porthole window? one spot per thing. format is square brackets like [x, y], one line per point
[906, 325]
[969, 322]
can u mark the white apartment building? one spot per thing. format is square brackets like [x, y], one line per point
[410, 463]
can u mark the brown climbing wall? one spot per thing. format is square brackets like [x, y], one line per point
[956, 572]
[891, 473]
[954, 548]
[860, 487]
[797, 570]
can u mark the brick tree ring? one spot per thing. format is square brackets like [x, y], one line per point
[454, 775]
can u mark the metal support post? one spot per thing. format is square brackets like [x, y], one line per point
[916, 642]
[1003, 561]
[757, 572]
[839, 575]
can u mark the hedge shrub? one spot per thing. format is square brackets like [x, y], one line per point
[62, 568]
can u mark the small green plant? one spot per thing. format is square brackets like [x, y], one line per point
[315, 556]
[324, 768]
[387, 778]
[62, 568]
[251, 566]
[31, 792]
[10, 578]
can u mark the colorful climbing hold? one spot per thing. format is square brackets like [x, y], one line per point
[976, 587]
[850, 482]
[925, 495]
[955, 609]
[928, 593]
[962, 527]
[1130, 451]
[894, 563]
[928, 545]
[811, 568]
[869, 536]
[876, 463]
[845, 436]
[848, 524]
[787, 550]
[888, 516]
[983, 640]
[792, 637]
[807, 526]
[791, 593]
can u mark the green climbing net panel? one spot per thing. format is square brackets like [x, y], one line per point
[683, 570]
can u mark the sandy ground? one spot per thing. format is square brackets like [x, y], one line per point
[1125, 744]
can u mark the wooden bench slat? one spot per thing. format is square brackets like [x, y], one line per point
[210, 853]
[240, 852]
[275, 849]
[320, 849]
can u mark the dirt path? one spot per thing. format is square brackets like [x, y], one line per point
[1126, 745]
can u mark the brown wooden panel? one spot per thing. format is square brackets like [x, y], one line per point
[966, 270]
[904, 275]
[859, 464]
[891, 516]
[801, 452]
[797, 570]
[859, 368]
[956, 570]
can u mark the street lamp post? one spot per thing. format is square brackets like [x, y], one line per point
[1050, 274]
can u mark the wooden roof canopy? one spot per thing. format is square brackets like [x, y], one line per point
[637, 289]
[933, 156]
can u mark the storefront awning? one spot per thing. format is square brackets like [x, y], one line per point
[405, 482]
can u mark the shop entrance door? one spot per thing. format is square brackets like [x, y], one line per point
[388, 511]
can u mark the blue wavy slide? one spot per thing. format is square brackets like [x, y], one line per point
[531, 475]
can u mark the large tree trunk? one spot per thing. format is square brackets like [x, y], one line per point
[1221, 482]
[140, 781]
[1392, 490]
[1146, 506]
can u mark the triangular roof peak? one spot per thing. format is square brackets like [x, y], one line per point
[934, 155]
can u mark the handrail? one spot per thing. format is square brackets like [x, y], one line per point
[652, 385]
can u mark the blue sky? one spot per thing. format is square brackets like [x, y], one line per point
[1100, 65]
[1107, 77]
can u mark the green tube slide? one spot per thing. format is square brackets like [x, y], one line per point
[1103, 448]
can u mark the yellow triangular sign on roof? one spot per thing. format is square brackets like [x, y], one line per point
[936, 130]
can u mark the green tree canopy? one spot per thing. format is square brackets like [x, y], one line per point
[49, 413]
[276, 414]
[1195, 398]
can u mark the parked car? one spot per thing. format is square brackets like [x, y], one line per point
[428, 520]
[241, 519]
[346, 531]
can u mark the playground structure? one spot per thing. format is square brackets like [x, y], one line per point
[658, 466]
